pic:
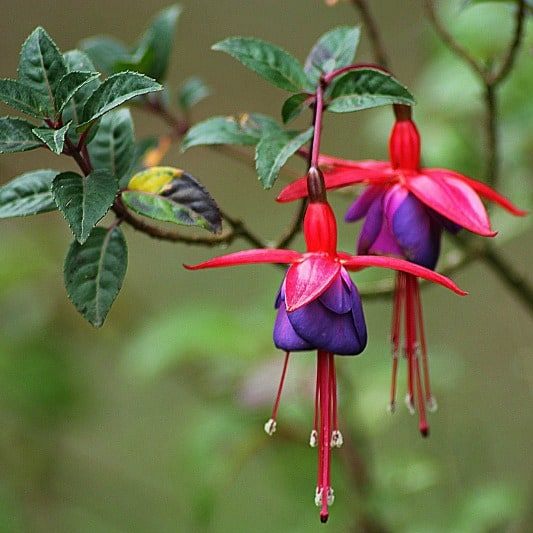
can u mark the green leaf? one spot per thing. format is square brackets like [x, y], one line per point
[23, 98]
[366, 88]
[156, 43]
[244, 130]
[77, 61]
[114, 91]
[105, 52]
[113, 145]
[16, 135]
[94, 273]
[335, 49]
[28, 194]
[54, 139]
[70, 84]
[192, 91]
[171, 195]
[268, 60]
[272, 152]
[84, 200]
[41, 66]
[293, 106]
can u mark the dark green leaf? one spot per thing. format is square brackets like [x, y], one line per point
[293, 106]
[243, 130]
[23, 98]
[16, 136]
[192, 91]
[170, 195]
[156, 43]
[78, 62]
[41, 66]
[84, 200]
[268, 60]
[272, 152]
[94, 273]
[105, 52]
[28, 194]
[70, 84]
[114, 91]
[54, 139]
[113, 145]
[366, 88]
[335, 49]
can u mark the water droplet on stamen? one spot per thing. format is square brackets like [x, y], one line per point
[331, 496]
[391, 407]
[313, 439]
[336, 439]
[409, 403]
[432, 404]
[270, 427]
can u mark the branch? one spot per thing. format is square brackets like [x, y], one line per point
[380, 55]
[449, 40]
[508, 61]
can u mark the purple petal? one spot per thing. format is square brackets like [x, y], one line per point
[285, 338]
[337, 297]
[371, 226]
[446, 223]
[416, 232]
[342, 334]
[362, 204]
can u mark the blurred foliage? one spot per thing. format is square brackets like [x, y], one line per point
[155, 422]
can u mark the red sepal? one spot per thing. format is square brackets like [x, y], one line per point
[307, 280]
[335, 179]
[453, 199]
[357, 262]
[481, 188]
[245, 257]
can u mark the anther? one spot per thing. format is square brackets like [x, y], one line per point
[270, 427]
[336, 439]
[318, 497]
[313, 439]
[391, 407]
[431, 404]
[409, 403]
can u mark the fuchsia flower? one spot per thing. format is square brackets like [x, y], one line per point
[405, 209]
[318, 308]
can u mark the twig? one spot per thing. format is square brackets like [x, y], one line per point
[448, 39]
[490, 77]
[373, 34]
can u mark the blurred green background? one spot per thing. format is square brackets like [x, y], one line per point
[155, 422]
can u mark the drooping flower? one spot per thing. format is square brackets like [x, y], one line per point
[405, 209]
[318, 308]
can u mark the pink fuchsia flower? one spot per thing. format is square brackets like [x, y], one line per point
[318, 308]
[405, 209]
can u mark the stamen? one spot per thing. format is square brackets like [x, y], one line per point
[333, 391]
[410, 339]
[423, 347]
[270, 425]
[395, 336]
